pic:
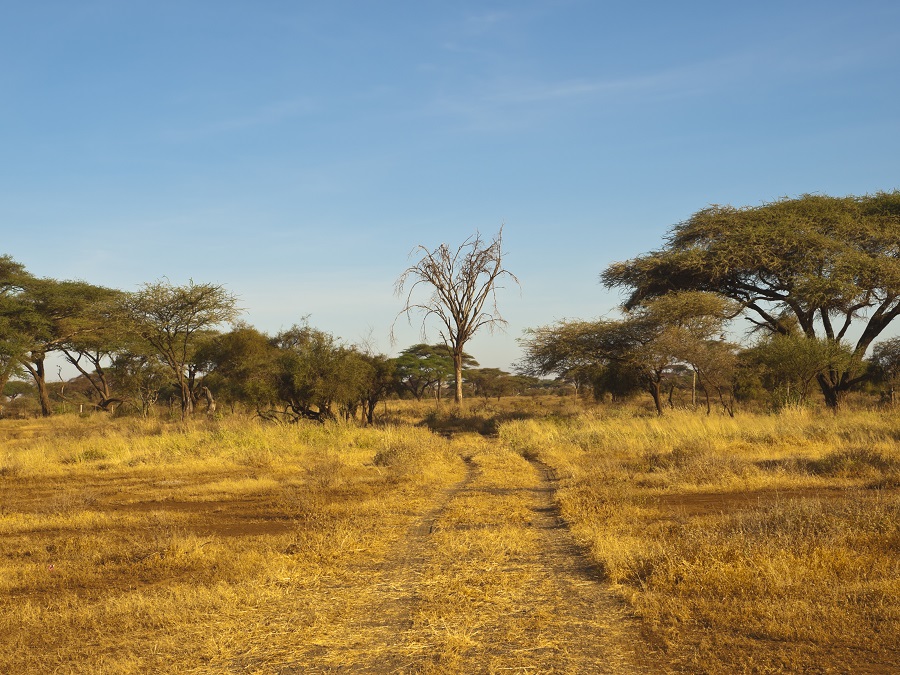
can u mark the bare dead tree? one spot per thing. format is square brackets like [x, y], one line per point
[462, 280]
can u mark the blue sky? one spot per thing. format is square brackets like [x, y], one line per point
[296, 152]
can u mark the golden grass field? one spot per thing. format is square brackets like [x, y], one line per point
[520, 536]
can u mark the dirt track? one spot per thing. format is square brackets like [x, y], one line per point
[459, 594]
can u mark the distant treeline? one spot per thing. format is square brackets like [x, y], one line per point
[163, 346]
[816, 277]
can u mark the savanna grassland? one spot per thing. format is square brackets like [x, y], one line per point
[510, 537]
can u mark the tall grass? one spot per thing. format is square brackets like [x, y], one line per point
[753, 544]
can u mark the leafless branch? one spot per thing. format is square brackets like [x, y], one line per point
[462, 282]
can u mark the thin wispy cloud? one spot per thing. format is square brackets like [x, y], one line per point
[511, 103]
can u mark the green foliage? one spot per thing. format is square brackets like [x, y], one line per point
[172, 320]
[13, 341]
[422, 368]
[821, 263]
[886, 366]
[315, 372]
[651, 344]
[141, 376]
[790, 364]
[239, 366]
[45, 315]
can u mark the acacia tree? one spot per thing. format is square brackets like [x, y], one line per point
[632, 345]
[462, 281]
[822, 263]
[423, 367]
[489, 382]
[790, 364]
[54, 314]
[93, 352]
[13, 342]
[140, 376]
[650, 344]
[379, 383]
[172, 318]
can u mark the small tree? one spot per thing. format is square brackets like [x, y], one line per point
[172, 318]
[792, 363]
[886, 360]
[315, 373]
[141, 376]
[489, 382]
[239, 366]
[380, 382]
[423, 367]
[650, 345]
[462, 280]
[92, 352]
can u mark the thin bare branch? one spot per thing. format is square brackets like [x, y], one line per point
[462, 281]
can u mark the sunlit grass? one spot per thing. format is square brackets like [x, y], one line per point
[759, 543]
[754, 543]
[134, 546]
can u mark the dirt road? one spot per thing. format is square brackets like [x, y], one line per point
[488, 580]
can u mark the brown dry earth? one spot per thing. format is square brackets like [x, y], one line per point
[538, 609]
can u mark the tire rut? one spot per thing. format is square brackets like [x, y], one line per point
[603, 637]
[540, 605]
[378, 629]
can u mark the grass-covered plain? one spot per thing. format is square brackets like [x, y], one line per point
[762, 543]
[753, 544]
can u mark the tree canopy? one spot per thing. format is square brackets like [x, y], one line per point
[821, 263]
[171, 319]
[645, 346]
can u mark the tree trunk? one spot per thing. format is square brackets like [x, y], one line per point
[40, 379]
[457, 367]
[97, 379]
[187, 399]
[832, 393]
[655, 392]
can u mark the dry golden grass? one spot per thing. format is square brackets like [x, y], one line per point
[139, 549]
[505, 590]
[756, 544]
